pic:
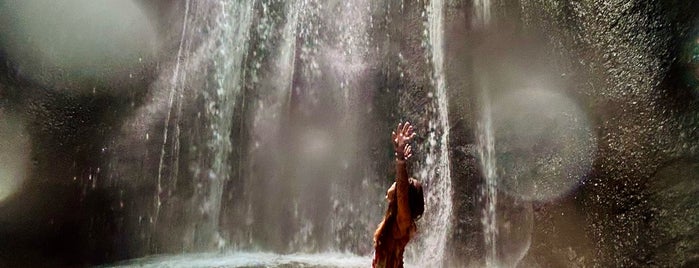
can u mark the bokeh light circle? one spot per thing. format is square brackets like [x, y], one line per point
[543, 142]
[70, 42]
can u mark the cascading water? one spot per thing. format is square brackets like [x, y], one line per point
[172, 104]
[486, 152]
[234, 22]
[266, 126]
[305, 100]
[436, 224]
[506, 214]
[192, 152]
[482, 12]
[310, 71]
[288, 79]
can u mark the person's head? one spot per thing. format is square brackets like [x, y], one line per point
[416, 200]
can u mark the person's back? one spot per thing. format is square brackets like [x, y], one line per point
[405, 206]
[390, 245]
[389, 253]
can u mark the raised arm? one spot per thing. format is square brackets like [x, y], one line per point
[403, 151]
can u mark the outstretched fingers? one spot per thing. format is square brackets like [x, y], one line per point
[408, 151]
[408, 131]
[402, 135]
[395, 135]
[406, 128]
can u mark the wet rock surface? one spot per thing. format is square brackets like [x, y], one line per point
[621, 61]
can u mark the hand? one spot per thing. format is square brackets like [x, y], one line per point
[401, 139]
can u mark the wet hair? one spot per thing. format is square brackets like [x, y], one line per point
[416, 200]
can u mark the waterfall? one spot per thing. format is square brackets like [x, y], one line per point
[234, 22]
[486, 152]
[174, 94]
[266, 146]
[436, 224]
[268, 110]
[482, 14]
[306, 67]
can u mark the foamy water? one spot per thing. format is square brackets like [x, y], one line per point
[247, 259]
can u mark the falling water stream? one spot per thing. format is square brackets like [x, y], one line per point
[482, 12]
[234, 20]
[437, 221]
[296, 67]
[486, 152]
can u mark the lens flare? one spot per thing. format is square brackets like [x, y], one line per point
[544, 144]
[14, 156]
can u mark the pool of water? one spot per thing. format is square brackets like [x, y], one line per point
[242, 259]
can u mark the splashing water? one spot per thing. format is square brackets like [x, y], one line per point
[235, 20]
[304, 97]
[289, 81]
[227, 49]
[438, 213]
[243, 259]
[486, 152]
